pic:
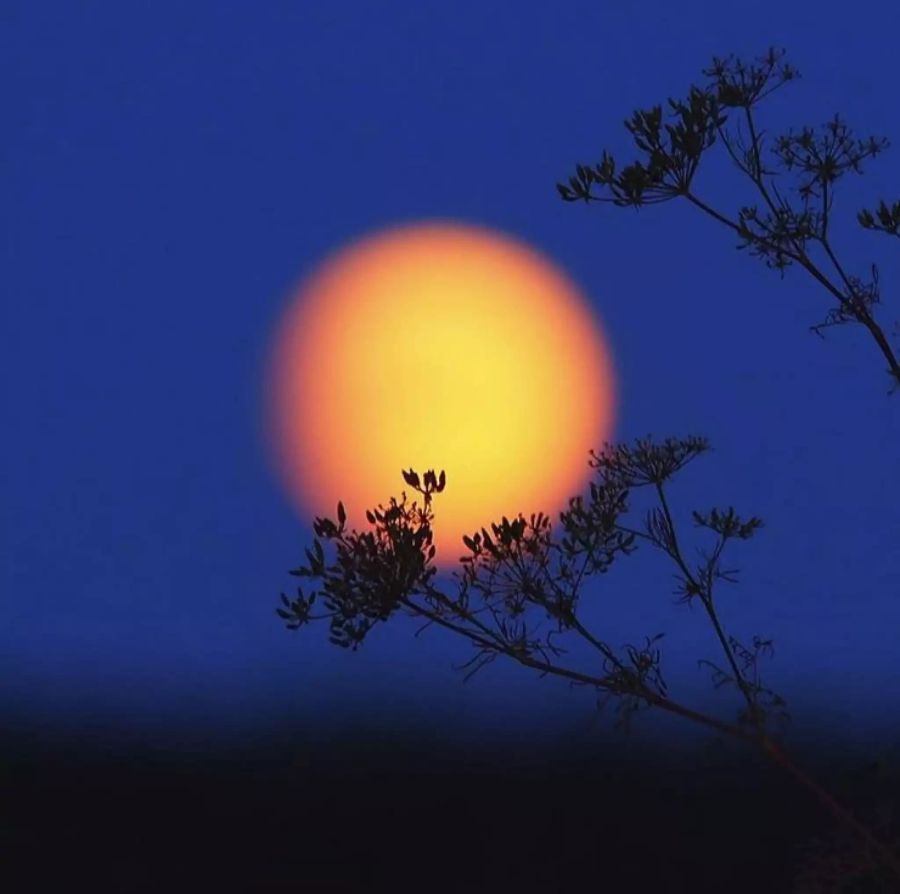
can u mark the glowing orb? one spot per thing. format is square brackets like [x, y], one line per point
[439, 346]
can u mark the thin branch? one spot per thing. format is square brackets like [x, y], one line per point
[707, 601]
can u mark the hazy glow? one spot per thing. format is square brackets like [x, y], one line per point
[439, 346]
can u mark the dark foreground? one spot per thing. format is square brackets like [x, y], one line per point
[397, 815]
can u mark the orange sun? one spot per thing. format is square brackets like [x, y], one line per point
[438, 346]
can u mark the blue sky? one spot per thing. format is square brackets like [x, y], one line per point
[171, 170]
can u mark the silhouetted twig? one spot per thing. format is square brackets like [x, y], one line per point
[780, 231]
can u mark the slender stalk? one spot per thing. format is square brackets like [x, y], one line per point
[865, 317]
[761, 739]
[778, 756]
[774, 751]
[605, 684]
[858, 311]
[706, 599]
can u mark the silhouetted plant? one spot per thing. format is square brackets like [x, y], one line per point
[781, 230]
[519, 592]
[777, 229]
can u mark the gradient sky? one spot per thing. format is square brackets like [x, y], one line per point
[171, 170]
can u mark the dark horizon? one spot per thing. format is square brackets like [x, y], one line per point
[401, 811]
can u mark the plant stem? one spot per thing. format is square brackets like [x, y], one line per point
[778, 756]
[859, 312]
[707, 600]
